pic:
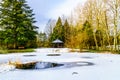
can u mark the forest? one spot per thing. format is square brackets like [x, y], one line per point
[94, 25]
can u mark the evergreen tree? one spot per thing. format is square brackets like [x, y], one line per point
[89, 32]
[16, 19]
[57, 31]
[67, 32]
[42, 38]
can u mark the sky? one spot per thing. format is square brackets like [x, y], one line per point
[51, 9]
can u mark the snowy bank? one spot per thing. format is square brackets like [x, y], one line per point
[78, 66]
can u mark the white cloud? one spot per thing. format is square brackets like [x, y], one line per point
[52, 9]
[65, 8]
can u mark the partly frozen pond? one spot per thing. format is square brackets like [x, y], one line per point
[73, 66]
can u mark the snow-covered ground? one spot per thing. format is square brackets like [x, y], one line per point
[90, 66]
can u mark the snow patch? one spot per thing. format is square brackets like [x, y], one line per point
[6, 67]
[52, 50]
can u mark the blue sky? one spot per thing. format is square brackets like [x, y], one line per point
[51, 9]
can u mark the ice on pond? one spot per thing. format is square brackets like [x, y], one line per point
[67, 66]
[37, 65]
[42, 65]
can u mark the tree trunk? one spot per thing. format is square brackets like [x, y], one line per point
[95, 40]
[115, 39]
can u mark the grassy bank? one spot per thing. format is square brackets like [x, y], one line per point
[20, 50]
[104, 51]
[94, 51]
[6, 51]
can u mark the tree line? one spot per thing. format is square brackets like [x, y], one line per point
[94, 25]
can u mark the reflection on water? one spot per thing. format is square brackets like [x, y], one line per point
[43, 65]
